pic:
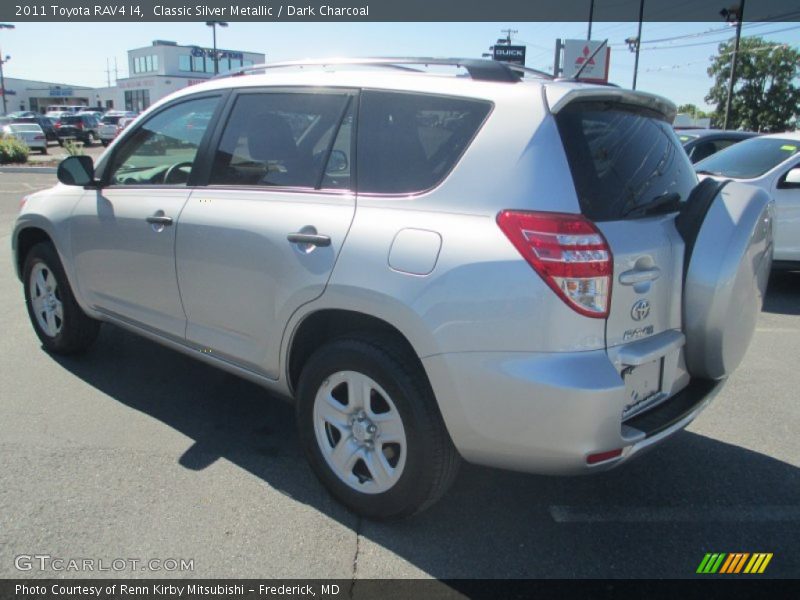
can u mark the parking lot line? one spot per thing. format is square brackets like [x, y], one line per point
[671, 514]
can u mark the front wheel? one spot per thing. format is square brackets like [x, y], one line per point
[372, 430]
[58, 321]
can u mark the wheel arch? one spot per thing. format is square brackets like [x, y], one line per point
[320, 326]
[24, 239]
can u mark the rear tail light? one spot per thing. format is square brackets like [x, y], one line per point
[568, 252]
[57, 124]
[79, 125]
[38, 137]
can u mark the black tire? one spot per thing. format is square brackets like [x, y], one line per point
[60, 142]
[90, 139]
[44, 150]
[77, 330]
[104, 142]
[431, 460]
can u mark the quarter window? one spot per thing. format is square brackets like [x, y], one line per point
[409, 142]
[162, 151]
[284, 139]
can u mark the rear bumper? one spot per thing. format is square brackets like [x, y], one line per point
[546, 413]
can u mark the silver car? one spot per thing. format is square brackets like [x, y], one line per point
[496, 266]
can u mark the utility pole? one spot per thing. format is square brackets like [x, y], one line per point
[507, 39]
[108, 74]
[736, 13]
[116, 74]
[591, 17]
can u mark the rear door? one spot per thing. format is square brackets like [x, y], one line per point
[623, 158]
[262, 237]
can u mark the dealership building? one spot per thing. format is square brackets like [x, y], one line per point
[154, 71]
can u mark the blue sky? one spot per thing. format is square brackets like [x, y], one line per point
[76, 53]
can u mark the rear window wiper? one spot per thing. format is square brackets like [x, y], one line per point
[663, 204]
[704, 172]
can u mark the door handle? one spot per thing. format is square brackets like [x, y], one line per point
[312, 239]
[159, 220]
[635, 276]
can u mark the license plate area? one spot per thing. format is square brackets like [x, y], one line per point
[642, 387]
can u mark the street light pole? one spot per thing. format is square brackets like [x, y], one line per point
[2, 62]
[591, 17]
[213, 25]
[3, 81]
[738, 14]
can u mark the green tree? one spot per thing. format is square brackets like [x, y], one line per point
[765, 97]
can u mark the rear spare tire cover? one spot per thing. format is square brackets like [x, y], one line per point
[726, 278]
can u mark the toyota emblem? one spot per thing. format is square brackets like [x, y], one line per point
[640, 309]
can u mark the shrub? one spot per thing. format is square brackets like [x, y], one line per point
[73, 148]
[13, 150]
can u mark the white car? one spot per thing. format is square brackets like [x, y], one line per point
[29, 133]
[771, 162]
[112, 123]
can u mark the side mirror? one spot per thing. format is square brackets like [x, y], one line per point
[76, 170]
[337, 163]
[791, 179]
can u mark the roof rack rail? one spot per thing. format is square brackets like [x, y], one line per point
[478, 69]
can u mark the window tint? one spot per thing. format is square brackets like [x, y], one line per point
[621, 159]
[409, 142]
[280, 139]
[163, 149]
[750, 158]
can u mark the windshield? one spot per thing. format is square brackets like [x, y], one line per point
[750, 158]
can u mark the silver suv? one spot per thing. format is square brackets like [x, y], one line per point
[491, 264]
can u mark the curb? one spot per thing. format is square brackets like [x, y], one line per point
[38, 170]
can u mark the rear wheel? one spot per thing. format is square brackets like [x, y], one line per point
[90, 138]
[372, 430]
[58, 321]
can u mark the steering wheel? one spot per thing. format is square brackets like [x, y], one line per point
[174, 169]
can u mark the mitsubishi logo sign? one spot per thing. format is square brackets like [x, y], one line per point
[578, 53]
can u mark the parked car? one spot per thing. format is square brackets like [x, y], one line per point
[112, 123]
[771, 162]
[530, 277]
[43, 122]
[29, 133]
[702, 143]
[84, 128]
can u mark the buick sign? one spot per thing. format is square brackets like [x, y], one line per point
[509, 54]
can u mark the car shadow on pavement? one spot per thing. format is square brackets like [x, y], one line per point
[783, 293]
[655, 517]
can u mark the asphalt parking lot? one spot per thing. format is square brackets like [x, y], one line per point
[135, 451]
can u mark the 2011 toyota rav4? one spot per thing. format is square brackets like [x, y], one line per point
[518, 271]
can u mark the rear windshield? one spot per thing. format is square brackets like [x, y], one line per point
[622, 158]
[409, 142]
[25, 128]
[70, 119]
[750, 158]
[110, 120]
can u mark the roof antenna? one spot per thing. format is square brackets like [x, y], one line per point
[588, 60]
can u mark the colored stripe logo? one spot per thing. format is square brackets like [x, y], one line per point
[734, 562]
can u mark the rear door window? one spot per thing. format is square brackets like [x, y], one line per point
[283, 139]
[622, 158]
[409, 142]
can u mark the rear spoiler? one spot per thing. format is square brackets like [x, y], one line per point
[560, 97]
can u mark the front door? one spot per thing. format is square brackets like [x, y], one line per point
[123, 234]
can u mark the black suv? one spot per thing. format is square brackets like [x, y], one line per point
[84, 128]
